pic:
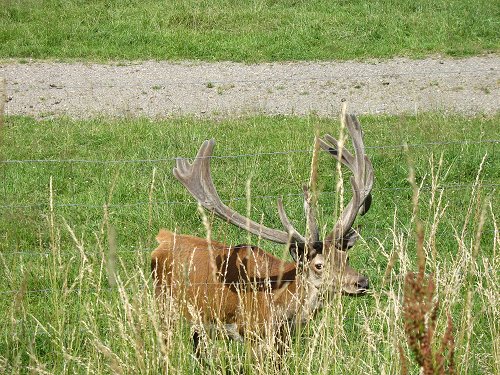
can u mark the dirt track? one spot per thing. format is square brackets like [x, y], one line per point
[158, 89]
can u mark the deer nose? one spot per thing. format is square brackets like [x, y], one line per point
[363, 283]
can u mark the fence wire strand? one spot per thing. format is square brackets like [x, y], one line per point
[248, 155]
[235, 199]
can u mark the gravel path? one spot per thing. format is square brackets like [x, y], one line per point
[158, 89]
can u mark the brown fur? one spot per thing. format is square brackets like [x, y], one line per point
[228, 284]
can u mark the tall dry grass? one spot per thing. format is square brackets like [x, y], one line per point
[106, 320]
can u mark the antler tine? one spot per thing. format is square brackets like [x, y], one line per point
[192, 176]
[197, 179]
[293, 233]
[361, 181]
[344, 223]
[365, 206]
[331, 145]
[311, 221]
[364, 172]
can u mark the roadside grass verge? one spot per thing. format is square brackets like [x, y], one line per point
[77, 230]
[248, 31]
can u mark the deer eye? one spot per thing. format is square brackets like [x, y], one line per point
[318, 266]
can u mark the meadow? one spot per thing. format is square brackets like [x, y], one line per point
[82, 202]
[248, 31]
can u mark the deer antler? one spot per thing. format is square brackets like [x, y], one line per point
[343, 235]
[311, 221]
[196, 177]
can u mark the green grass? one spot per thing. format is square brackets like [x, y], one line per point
[65, 319]
[249, 31]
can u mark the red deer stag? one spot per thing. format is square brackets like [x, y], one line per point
[248, 290]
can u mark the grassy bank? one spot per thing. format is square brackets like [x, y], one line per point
[78, 222]
[250, 31]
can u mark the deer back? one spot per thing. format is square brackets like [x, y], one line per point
[223, 283]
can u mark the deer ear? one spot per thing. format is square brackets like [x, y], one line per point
[349, 239]
[297, 251]
[300, 252]
[293, 252]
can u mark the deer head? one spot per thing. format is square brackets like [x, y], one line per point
[314, 256]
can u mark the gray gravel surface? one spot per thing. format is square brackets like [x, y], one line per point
[159, 89]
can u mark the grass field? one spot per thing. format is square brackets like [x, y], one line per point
[79, 220]
[250, 31]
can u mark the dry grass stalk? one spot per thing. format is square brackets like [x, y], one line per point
[420, 310]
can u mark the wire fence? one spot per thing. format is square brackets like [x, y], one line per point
[47, 254]
[249, 155]
[191, 202]
[147, 251]
[238, 156]
[236, 284]
[250, 283]
[452, 186]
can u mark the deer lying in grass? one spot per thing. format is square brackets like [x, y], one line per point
[244, 288]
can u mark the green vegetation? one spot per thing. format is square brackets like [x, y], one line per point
[249, 31]
[76, 236]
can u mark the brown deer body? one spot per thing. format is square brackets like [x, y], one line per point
[245, 288]
[241, 286]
